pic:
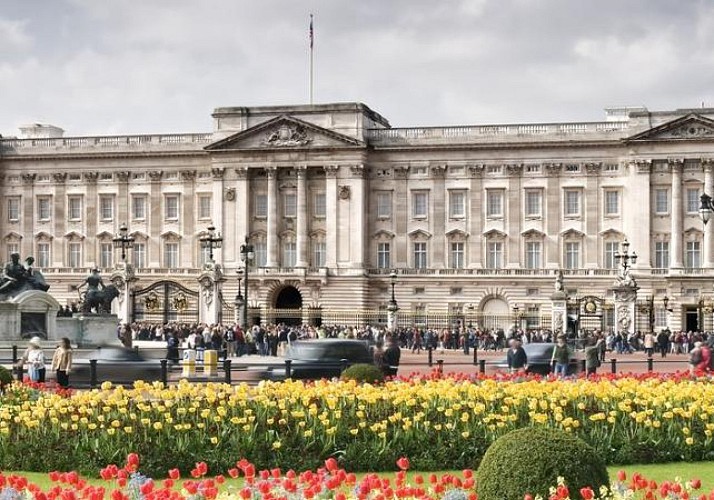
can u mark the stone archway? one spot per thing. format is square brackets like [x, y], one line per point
[495, 314]
[288, 306]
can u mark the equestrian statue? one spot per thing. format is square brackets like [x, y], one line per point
[98, 297]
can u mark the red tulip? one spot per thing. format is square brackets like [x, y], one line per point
[233, 472]
[175, 474]
[695, 483]
[403, 463]
[331, 464]
[621, 476]
[246, 493]
[586, 493]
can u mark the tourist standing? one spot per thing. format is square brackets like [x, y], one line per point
[34, 358]
[390, 357]
[516, 357]
[62, 362]
[561, 357]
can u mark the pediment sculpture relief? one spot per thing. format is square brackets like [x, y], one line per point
[287, 135]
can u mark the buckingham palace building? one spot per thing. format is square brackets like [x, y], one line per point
[466, 224]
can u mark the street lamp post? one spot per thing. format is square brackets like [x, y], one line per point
[247, 254]
[516, 319]
[392, 307]
[239, 302]
[123, 241]
[624, 259]
[211, 240]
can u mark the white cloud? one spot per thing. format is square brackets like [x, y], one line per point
[154, 66]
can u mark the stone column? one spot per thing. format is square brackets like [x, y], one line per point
[156, 202]
[358, 211]
[242, 197]
[59, 216]
[91, 204]
[123, 197]
[28, 219]
[475, 222]
[552, 256]
[272, 241]
[708, 262]
[437, 206]
[302, 222]
[675, 255]
[188, 219]
[331, 216]
[513, 215]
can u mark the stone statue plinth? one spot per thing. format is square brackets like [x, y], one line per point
[625, 301]
[88, 329]
[559, 315]
[28, 314]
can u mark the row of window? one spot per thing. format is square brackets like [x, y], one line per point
[138, 256]
[107, 204]
[533, 253]
[139, 206]
[533, 202]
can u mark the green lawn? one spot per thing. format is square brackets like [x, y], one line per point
[658, 472]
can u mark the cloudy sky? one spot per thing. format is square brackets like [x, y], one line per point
[161, 66]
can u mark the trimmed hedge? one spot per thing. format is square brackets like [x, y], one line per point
[5, 377]
[363, 372]
[531, 460]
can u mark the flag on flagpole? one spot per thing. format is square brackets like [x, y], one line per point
[312, 33]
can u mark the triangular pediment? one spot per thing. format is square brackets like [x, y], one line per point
[689, 127]
[572, 233]
[533, 233]
[285, 132]
[494, 233]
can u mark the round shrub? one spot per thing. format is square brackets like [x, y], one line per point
[363, 372]
[531, 459]
[5, 377]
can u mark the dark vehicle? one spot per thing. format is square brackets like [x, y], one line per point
[539, 355]
[118, 365]
[325, 358]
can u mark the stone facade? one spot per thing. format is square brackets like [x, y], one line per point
[476, 220]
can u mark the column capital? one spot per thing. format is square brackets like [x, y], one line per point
[553, 169]
[90, 177]
[28, 178]
[188, 175]
[438, 171]
[593, 167]
[217, 173]
[155, 175]
[643, 166]
[514, 169]
[331, 170]
[475, 170]
[241, 172]
[123, 176]
[301, 171]
[271, 172]
[357, 171]
[707, 164]
[676, 164]
[59, 177]
[401, 171]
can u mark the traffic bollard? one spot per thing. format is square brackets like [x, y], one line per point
[165, 372]
[227, 370]
[93, 373]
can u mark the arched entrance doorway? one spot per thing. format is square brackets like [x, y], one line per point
[496, 314]
[288, 306]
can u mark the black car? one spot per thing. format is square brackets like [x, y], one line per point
[324, 358]
[539, 355]
[115, 364]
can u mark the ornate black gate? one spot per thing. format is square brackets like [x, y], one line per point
[165, 301]
[586, 313]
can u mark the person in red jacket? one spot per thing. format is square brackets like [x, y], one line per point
[706, 355]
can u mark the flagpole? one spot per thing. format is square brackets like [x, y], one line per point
[311, 60]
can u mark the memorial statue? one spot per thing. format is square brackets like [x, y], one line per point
[98, 297]
[17, 277]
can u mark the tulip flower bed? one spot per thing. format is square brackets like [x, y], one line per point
[327, 482]
[437, 422]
